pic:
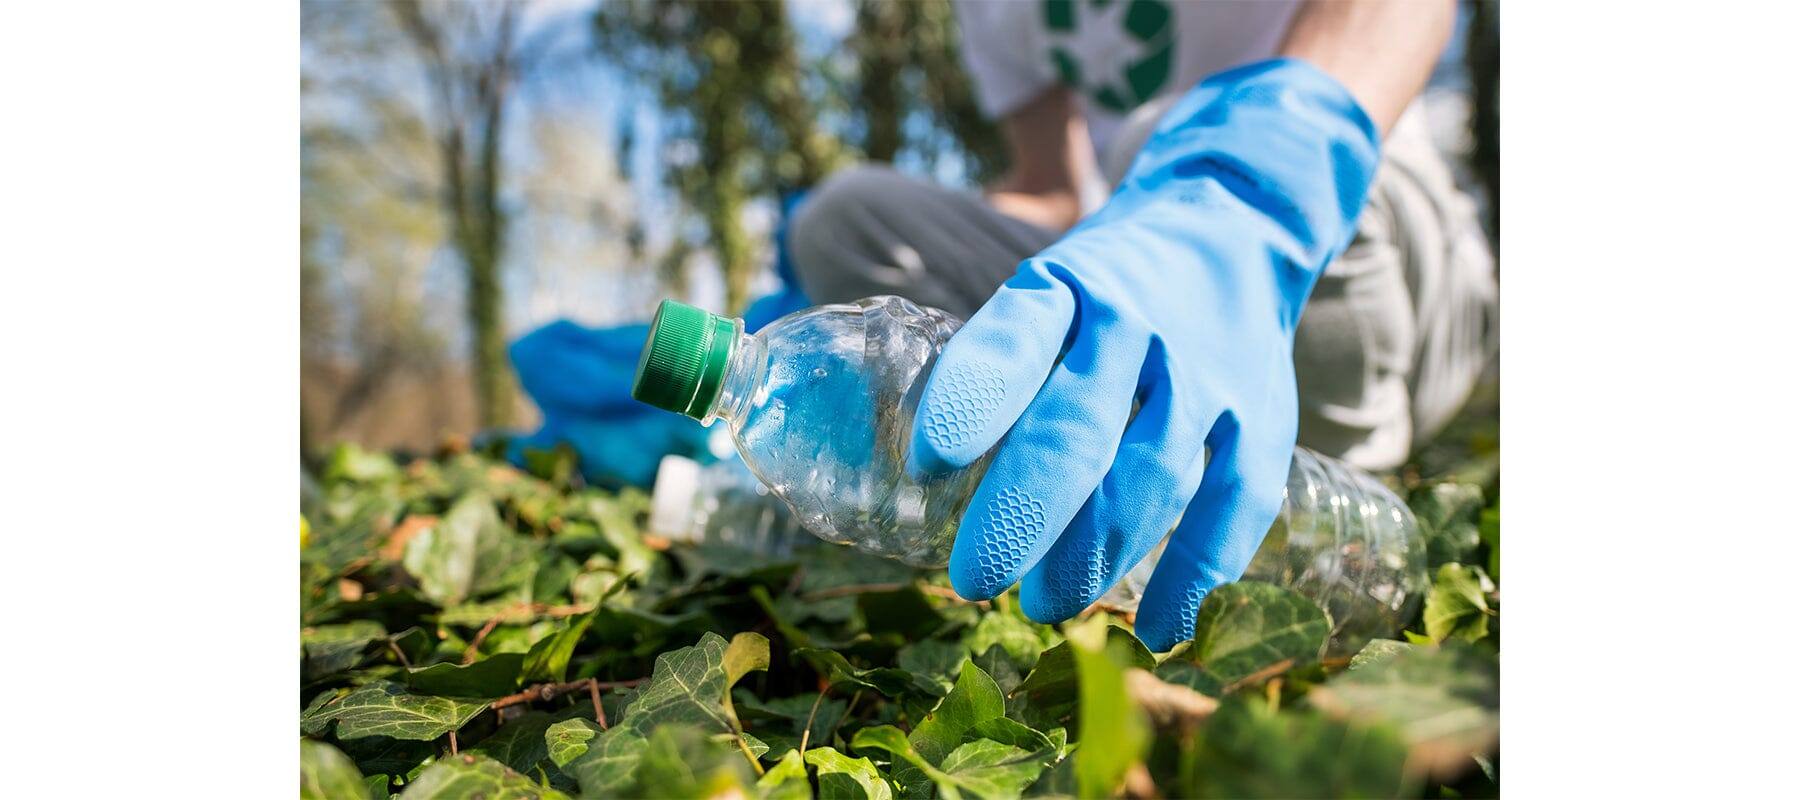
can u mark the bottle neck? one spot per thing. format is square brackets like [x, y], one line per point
[743, 374]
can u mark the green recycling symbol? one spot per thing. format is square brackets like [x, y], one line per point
[1128, 47]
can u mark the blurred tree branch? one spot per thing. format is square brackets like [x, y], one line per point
[730, 75]
[909, 64]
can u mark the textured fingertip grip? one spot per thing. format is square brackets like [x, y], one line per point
[959, 404]
[1066, 588]
[994, 556]
[1163, 625]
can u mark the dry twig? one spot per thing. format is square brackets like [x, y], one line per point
[551, 691]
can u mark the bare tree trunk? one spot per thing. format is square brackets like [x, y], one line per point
[746, 56]
[1483, 55]
[881, 51]
[493, 386]
[721, 202]
[771, 51]
[471, 99]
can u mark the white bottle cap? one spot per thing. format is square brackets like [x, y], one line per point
[672, 498]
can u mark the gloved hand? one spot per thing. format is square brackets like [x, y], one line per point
[580, 378]
[1182, 294]
[617, 449]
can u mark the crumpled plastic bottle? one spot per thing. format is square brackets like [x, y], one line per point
[820, 406]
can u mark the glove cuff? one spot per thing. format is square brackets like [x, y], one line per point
[1280, 135]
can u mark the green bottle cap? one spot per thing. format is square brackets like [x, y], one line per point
[683, 364]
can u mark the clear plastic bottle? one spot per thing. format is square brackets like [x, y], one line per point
[721, 503]
[1343, 540]
[820, 406]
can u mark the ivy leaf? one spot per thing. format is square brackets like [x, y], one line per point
[554, 573]
[1049, 696]
[617, 519]
[1377, 652]
[904, 612]
[415, 643]
[975, 699]
[606, 765]
[548, 659]
[385, 757]
[986, 768]
[889, 681]
[350, 463]
[326, 650]
[467, 553]
[1444, 700]
[327, 774]
[998, 665]
[471, 776]
[1020, 639]
[888, 739]
[682, 761]
[1247, 750]
[747, 653]
[689, 687]
[844, 778]
[933, 658]
[757, 747]
[786, 780]
[1490, 536]
[1007, 731]
[1113, 732]
[983, 768]
[1456, 607]
[383, 708]
[1448, 513]
[494, 676]
[519, 744]
[1245, 629]
[568, 740]
[826, 715]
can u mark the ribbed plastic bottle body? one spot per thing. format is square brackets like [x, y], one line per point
[820, 405]
[1343, 540]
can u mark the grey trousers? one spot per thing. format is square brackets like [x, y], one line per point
[1394, 337]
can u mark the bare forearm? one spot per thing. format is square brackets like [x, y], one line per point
[1381, 50]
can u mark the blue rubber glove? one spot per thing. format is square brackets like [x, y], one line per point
[1182, 294]
[576, 371]
[580, 378]
[616, 450]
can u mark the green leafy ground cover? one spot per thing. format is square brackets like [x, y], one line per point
[470, 630]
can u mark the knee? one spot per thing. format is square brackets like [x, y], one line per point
[827, 225]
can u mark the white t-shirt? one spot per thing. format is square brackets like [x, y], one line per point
[1116, 54]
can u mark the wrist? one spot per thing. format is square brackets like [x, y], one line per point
[1280, 135]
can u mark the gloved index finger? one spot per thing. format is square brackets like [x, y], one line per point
[990, 371]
